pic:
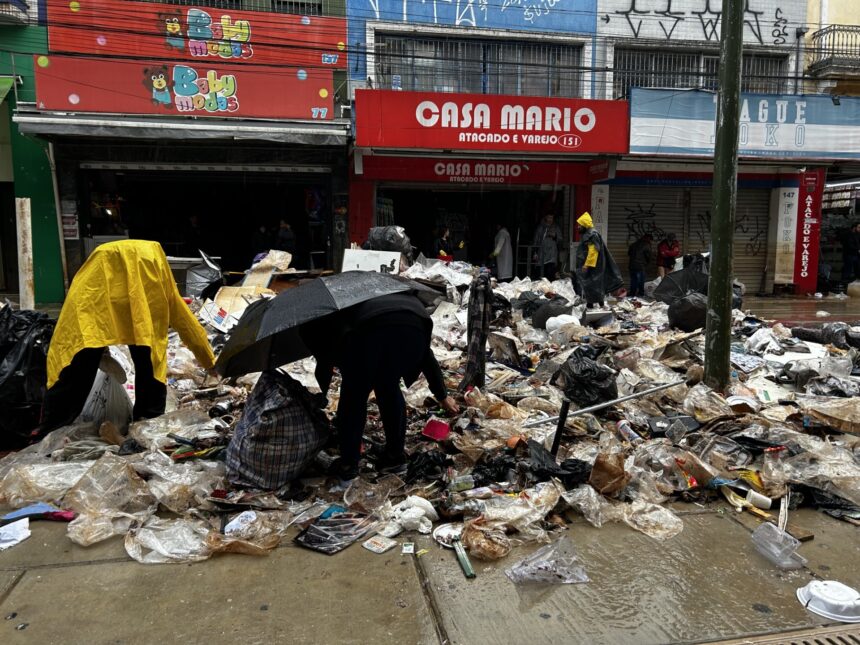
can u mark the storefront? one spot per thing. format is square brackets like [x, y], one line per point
[202, 131]
[785, 145]
[430, 161]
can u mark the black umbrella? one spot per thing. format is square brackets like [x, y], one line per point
[267, 335]
[679, 283]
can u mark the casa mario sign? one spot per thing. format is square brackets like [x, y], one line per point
[418, 120]
[472, 171]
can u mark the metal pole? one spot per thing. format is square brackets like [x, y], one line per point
[26, 281]
[600, 406]
[559, 430]
[57, 204]
[718, 336]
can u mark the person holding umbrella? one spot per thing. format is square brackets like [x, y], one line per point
[375, 344]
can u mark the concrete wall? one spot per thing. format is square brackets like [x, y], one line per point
[822, 13]
[766, 22]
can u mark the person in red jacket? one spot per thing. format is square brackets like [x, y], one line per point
[667, 252]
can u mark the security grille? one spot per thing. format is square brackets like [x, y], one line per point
[678, 69]
[304, 8]
[477, 66]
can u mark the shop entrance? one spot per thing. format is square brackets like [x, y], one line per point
[234, 215]
[471, 216]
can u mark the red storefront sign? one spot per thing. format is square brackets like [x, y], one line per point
[436, 121]
[198, 34]
[466, 172]
[173, 89]
[808, 231]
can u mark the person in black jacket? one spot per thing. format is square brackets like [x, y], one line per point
[374, 344]
[851, 253]
[640, 257]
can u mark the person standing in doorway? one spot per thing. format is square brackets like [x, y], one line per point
[503, 254]
[667, 252]
[851, 253]
[547, 239]
[640, 258]
[596, 271]
[286, 238]
[444, 248]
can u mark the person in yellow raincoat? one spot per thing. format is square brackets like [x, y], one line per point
[596, 273]
[124, 294]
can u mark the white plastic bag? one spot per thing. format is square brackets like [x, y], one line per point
[555, 563]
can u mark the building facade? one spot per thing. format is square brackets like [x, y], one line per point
[25, 163]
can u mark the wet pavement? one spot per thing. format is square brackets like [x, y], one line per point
[705, 584]
[803, 310]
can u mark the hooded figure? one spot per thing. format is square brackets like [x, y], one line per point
[596, 271]
[124, 294]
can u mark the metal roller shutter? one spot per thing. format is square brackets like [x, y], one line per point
[658, 210]
[637, 210]
[751, 228]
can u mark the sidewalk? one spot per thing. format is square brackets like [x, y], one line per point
[705, 584]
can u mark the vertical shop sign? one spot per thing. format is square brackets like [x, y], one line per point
[600, 208]
[786, 241]
[808, 231]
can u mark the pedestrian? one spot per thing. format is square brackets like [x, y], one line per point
[444, 248]
[503, 254]
[124, 294]
[596, 271]
[261, 240]
[374, 344]
[286, 238]
[667, 252]
[640, 257]
[547, 239]
[850, 239]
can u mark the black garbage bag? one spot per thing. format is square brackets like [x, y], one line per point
[389, 238]
[836, 334]
[571, 472]
[551, 309]
[528, 302]
[24, 339]
[835, 506]
[203, 280]
[689, 312]
[585, 381]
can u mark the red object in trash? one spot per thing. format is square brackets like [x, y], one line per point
[436, 430]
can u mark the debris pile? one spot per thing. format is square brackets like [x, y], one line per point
[599, 413]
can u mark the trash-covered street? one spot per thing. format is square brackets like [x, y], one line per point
[572, 479]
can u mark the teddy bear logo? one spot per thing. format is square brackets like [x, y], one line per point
[156, 79]
[171, 24]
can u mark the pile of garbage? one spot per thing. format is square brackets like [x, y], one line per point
[638, 429]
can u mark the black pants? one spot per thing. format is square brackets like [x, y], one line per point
[376, 358]
[66, 398]
[637, 282]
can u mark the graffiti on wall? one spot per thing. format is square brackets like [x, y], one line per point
[642, 221]
[694, 20]
[566, 16]
[749, 226]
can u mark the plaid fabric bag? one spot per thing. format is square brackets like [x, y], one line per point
[280, 432]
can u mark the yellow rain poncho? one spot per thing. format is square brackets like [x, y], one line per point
[125, 294]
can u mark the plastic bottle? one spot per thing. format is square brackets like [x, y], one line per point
[627, 432]
[464, 482]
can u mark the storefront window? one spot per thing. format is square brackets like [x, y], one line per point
[477, 66]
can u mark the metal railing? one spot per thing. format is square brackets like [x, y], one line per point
[14, 12]
[478, 66]
[836, 45]
[300, 7]
[686, 69]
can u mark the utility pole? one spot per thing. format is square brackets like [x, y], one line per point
[718, 330]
